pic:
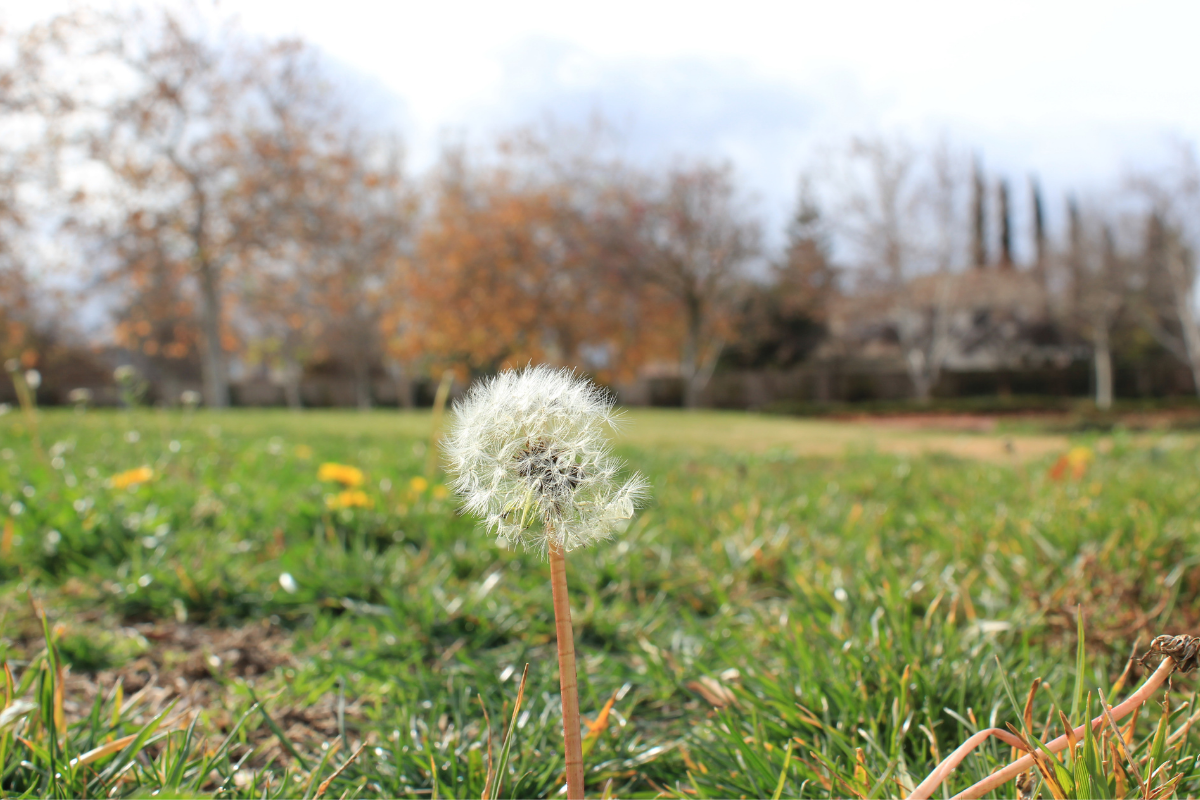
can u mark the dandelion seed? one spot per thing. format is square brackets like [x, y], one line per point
[288, 583]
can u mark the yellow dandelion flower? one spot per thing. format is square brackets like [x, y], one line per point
[132, 477]
[340, 473]
[350, 498]
[418, 484]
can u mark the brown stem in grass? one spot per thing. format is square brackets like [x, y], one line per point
[925, 789]
[573, 744]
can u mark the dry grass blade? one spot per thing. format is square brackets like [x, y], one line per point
[1183, 729]
[97, 753]
[325, 783]
[487, 775]
[1028, 715]
[1020, 765]
[1042, 761]
[492, 790]
[1069, 732]
[1120, 743]
[60, 717]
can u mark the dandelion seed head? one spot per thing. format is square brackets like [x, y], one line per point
[528, 453]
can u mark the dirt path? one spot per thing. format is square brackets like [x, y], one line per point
[965, 437]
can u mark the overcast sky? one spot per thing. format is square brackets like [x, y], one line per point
[1077, 92]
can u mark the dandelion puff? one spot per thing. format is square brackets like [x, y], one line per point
[528, 453]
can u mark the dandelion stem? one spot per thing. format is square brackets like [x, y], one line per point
[572, 742]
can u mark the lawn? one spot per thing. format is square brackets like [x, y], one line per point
[804, 609]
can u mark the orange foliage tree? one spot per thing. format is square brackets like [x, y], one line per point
[535, 256]
[336, 213]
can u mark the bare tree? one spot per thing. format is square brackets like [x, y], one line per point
[700, 238]
[168, 134]
[1100, 280]
[1168, 265]
[901, 211]
[31, 110]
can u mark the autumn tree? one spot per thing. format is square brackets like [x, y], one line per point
[498, 284]
[167, 132]
[699, 238]
[529, 255]
[333, 212]
[31, 113]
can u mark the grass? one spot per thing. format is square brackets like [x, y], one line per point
[806, 609]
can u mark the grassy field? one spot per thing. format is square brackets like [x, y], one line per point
[805, 609]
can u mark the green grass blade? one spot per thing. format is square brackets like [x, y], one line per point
[787, 762]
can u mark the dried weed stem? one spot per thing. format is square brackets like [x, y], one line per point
[927, 786]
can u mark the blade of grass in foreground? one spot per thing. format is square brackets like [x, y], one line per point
[493, 790]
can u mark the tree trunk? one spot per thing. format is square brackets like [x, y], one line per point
[689, 366]
[291, 383]
[920, 376]
[362, 383]
[212, 360]
[212, 363]
[1187, 314]
[1102, 360]
[406, 394]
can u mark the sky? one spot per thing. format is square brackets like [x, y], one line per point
[1078, 93]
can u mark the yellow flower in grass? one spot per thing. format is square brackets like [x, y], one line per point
[350, 498]
[340, 473]
[132, 477]
[418, 484]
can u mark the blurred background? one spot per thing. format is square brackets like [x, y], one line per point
[773, 206]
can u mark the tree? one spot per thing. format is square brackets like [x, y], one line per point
[978, 215]
[900, 211]
[806, 275]
[1006, 251]
[1039, 232]
[784, 318]
[169, 139]
[31, 112]
[1100, 283]
[1167, 304]
[699, 239]
[534, 255]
